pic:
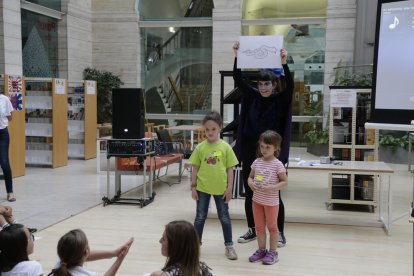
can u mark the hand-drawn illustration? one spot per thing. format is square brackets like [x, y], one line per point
[261, 52]
[16, 91]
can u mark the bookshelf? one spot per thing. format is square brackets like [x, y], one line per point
[14, 88]
[82, 119]
[46, 122]
[350, 141]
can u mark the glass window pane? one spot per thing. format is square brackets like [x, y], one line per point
[40, 45]
[174, 9]
[259, 9]
[51, 4]
[177, 69]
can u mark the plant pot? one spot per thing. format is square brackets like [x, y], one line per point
[318, 149]
[397, 156]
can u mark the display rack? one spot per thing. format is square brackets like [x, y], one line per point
[14, 89]
[46, 122]
[350, 141]
[82, 120]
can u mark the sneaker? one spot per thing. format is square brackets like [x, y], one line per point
[230, 253]
[258, 255]
[270, 258]
[282, 240]
[249, 236]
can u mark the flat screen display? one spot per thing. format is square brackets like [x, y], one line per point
[393, 87]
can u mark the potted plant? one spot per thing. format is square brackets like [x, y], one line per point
[105, 81]
[352, 76]
[318, 139]
[393, 148]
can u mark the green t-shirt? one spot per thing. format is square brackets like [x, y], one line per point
[212, 161]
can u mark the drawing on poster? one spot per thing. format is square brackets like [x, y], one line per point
[262, 52]
[259, 52]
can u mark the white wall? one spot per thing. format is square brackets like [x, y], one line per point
[340, 37]
[226, 30]
[75, 39]
[115, 39]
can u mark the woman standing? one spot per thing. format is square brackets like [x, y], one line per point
[6, 109]
[264, 107]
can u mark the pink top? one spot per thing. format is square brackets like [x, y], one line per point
[266, 174]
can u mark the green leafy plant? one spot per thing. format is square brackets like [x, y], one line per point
[343, 76]
[318, 136]
[105, 81]
[393, 141]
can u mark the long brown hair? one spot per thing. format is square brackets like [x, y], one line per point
[270, 137]
[183, 247]
[71, 250]
[13, 247]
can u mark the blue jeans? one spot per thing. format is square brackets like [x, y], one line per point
[222, 212]
[4, 159]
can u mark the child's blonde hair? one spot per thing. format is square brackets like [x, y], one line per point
[270, 137]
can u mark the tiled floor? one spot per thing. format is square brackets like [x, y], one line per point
[46, 196]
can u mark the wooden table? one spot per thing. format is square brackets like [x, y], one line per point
[358, 167]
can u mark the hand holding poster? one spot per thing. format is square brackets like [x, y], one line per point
[259, 52]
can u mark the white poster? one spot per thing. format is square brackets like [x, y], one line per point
[90, 87]
[260, 52]
[343, 98]
[60, 86]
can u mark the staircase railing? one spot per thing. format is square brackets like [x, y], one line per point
[175, 92]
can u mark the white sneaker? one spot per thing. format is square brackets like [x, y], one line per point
[230, 252]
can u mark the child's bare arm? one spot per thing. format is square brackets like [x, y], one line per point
[229, 191]
[121, 253]
[283, 182]
[194, 172]
[250, 180]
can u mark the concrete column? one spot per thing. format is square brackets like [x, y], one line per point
[226, 30]
[10, 38]
[75, 39]
[340, 39]
[116, 40]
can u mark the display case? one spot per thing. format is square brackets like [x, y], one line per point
[349, 140]
[46, 122]
[82, 119]
[12, 86]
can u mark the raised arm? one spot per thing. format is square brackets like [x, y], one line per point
[237, 74]
[288, 76]
[121, 252]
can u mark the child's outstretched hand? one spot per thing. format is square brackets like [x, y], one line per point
[122, 251]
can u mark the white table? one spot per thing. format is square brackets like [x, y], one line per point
[358, 167]
[190, 128]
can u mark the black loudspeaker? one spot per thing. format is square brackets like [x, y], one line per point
[128, 113]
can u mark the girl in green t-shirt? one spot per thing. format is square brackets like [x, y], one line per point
[212, 161]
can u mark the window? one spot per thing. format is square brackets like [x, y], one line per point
[51, 4]
[174, 9]
[40, 45]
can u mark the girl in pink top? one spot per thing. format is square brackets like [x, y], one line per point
[267, 177]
